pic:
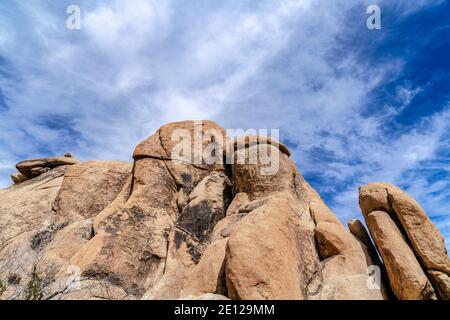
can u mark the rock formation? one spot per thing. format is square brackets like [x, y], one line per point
[33, 168]
[412, 248]
[219, 222]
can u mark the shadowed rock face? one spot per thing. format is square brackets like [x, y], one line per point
[170, 227]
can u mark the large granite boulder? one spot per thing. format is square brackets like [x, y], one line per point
[199, 215]
[392, 215]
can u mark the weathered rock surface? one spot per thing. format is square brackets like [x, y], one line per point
[204, 217]
[33, 168]
[408, 280]
[26, 226]
[359, 231]
[423, 245]
[427, 241]
[89, 187]
[345, 261]
[284, 267]
[208, 276]
[441, 283]
[18, 177]
[206, 296]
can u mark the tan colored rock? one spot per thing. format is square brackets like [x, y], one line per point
[206, 132]
[425, 239]
[26, 228]
[374, 197]
[14, 272]
[238, 208]
[93, 290]
[27, 207]
[408, 280]
[18, 178]
[179, 262]
[427, 242]
[359, 231]
[173, 227]
[239, 200]
[114, 207]
[151, 148]
[208, 276]
[206, 296]
[89, 251]
[132, 247]
[89, 187]
[271, 235]
[321, 213]
[67, 241]
[332, 239]
[247, 141]
[226, 226]
[325, 280]
[192, 233]
[257, 179]
[55, 258]
[26, 167]
[268, 224]
[341, 283]
[441, 282]
[35, 172]
[166, 219]
[194, 136]
[198, 135]
[345, 262]
[208, 203]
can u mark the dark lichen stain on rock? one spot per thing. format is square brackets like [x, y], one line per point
[156, 241]
[99, 273]
[194, 248]
[41, 239]
[200, 220]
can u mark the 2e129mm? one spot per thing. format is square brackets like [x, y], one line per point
[246, 309]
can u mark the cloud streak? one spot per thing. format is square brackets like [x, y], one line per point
[302, 66]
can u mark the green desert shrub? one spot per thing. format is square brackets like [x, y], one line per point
[2, 287]
[34, 289]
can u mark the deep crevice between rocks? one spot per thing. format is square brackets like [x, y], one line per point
[317, 276]
[133, 179]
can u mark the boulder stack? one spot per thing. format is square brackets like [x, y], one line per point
[198, 215]
[33, 168]
[411, 246]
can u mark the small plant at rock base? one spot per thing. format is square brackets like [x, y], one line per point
[34, 289]
[2, 287]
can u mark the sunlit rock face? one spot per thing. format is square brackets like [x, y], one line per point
[198, 215]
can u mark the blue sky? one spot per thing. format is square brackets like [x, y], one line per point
[354, 105]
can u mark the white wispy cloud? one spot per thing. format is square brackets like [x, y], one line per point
[410, 160]
[136, 65]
